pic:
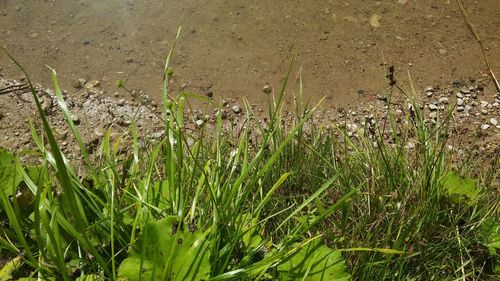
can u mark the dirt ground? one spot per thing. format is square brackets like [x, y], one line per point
[234, 48]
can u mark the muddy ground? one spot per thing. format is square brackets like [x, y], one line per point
[233, 48]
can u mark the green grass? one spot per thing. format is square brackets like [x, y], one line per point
[300, 202]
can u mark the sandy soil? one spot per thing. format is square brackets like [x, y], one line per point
[235, 47]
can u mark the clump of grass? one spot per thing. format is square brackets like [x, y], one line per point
[258, 207]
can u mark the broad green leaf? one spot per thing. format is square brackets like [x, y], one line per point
[460, 188]
[8, 178]
[165, 247]
[490, 230]
[314, 262]
[10, 267]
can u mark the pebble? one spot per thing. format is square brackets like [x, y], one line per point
[267, 89]
[429, 94]
[485, 126]
[209, 93]
[77, 84]
[199, 122]
[484, 112]
[484, 104]
[465, 90]
[494, 122]
[460, 102]
[433, 107]
[236, 109]
[460, 108]
[92, 84]
[75, 118]
[222, 112]
[443, 100]
[190, 142]
[120, 102]
[99, 131]
[429, 89]
[459, 95]
[402, 2]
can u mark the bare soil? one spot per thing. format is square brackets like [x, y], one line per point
[234, 48]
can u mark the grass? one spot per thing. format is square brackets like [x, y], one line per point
[299, 202]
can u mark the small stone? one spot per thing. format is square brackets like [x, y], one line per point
[442, 52]
[433, 107]
[76, 84]
[465, 90]
[429, 94]
[460, 102]
[129, 60]
[443, 100]
[460, 108]
[199, 122]
[92, 84]
[429, 89]
[484, 104]
[209, 93]
[236, 109]
[459, 95]
[484, 112]
[60, 134]
[86, 42]
[222, 112]
[190, 142]
[485, 126]
[75, 118]
[402, 2]
[99, 131]
[494, 122]
[410, 145]
[267, 89]
[495, 104]
[457, 83]
[120, 102]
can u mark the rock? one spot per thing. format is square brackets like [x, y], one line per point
[75, 118]
[199, 122]
[375, 20]
[120, 102]
[267, 89]
[460, 108]
[236, 109]
[209, 93]
[60, 134]
[485, 127]
[99, 131]
[433, 107]
[494, 122]
[459, 95]
[402, 2]
[429, 89]
[484, 112]
[410, 145]
[495, 104]
[484, 104]
[442, 52]
[443, 100]
[465, 90]
[457, 83]
[222, 112]
[190, 142]
[429, 94]
[76, 84]
[460, 102]
[46, 105]
[92, 84]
